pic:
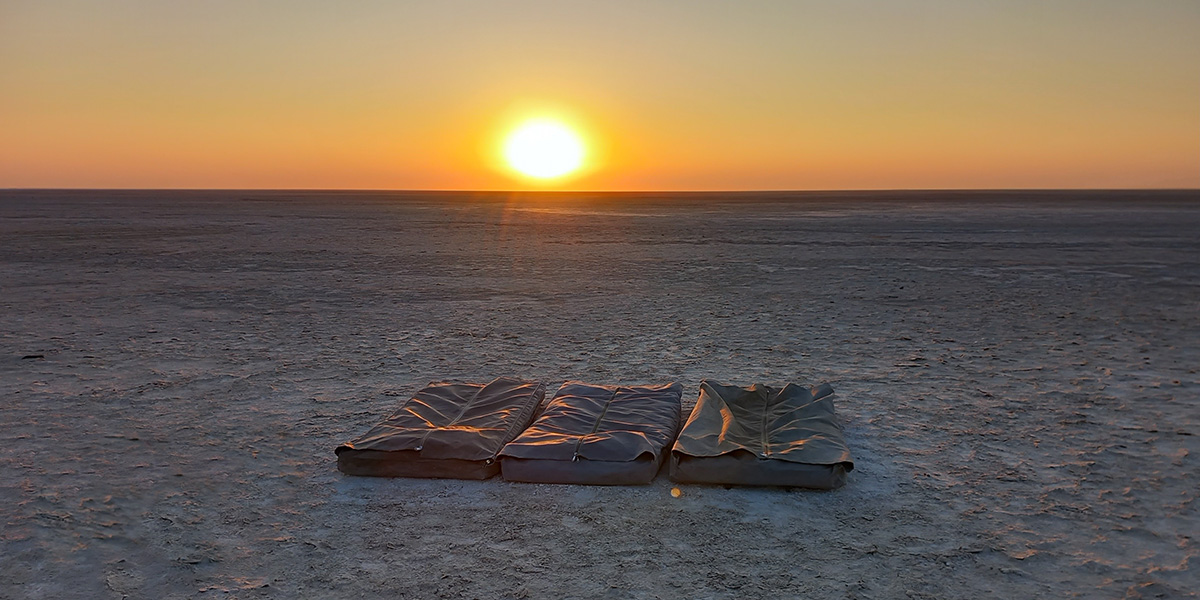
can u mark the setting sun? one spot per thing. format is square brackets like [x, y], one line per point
[544, 149]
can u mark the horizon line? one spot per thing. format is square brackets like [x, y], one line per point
[645, 191]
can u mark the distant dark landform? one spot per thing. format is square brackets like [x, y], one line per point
[651, 197]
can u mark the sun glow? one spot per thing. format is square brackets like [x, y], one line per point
[544, 149]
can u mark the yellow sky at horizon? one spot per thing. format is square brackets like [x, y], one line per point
[671, 96]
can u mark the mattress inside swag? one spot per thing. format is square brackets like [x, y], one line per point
[762, 435]
[598, 435]
[446, 430]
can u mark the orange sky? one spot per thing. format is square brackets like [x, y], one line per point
[670, 95]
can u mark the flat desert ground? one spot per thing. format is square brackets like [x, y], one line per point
[1016, 373]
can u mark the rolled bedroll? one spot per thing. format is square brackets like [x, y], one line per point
[447, 430]
[762, 435]
[597, 435]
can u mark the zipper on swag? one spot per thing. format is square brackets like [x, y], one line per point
[579, 442]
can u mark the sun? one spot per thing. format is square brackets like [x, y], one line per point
[544, 149]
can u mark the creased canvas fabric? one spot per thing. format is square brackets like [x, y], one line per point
[750, 425]
[451, 421]
[586, 424]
